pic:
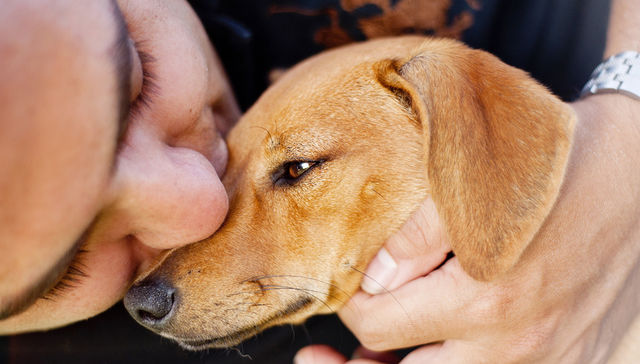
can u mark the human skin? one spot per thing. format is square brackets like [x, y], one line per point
[575, 290]
[63, 173]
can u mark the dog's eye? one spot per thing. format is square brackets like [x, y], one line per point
[297, 169]
[290, 172]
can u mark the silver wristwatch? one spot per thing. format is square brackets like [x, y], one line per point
[618, 74]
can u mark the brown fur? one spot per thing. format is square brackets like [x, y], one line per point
[392, 121]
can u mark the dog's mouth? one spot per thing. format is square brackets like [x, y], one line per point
[242, 334]
[221, 341]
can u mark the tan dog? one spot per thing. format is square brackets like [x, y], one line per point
[335, 157]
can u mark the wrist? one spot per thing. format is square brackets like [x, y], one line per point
[607, 143]
[617, 74]
[612, 112]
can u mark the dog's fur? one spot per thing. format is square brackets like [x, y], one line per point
[382, 124]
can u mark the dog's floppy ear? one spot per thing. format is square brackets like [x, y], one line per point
[496, 144]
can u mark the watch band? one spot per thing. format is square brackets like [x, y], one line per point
[618, 74]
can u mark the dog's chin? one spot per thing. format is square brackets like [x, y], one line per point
[239, 335]
[219, 342]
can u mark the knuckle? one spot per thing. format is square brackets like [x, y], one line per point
[493, 306]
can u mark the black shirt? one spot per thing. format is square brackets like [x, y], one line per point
[558, 42]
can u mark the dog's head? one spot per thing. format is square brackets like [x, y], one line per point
[335, 157]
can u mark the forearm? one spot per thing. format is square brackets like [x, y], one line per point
[624, 32]
[609, 130]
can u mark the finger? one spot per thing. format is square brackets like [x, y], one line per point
[323, 354]
[433, 308]
[415, 250]
[318, 354]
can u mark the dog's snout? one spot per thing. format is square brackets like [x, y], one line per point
[151, 303]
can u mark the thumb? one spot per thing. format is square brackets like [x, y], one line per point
[415, 250]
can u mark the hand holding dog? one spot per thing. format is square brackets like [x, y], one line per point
[571, 296]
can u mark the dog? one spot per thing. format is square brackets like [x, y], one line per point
[334, 158]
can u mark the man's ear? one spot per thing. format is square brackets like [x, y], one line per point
[496, 144]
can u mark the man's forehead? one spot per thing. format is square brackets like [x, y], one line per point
[38, 26]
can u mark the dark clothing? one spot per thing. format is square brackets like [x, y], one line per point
[558, 42]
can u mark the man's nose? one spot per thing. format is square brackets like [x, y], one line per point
[168, 196]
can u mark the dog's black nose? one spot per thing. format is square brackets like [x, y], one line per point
[151, 303]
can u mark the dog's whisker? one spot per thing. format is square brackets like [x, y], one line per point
[389, 204]
[240, 353]
[343, 303]
[333, 286]
[293, 332]
[388, 292]
[272, 286]
[244, 306]
[308, 291]
[322, 301]
[275, 286]
[262, 128]
[258, 278]
[305, 290]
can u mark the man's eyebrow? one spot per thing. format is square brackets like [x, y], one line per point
[23, 300]
[121, 58]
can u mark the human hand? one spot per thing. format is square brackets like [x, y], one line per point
[569, 299]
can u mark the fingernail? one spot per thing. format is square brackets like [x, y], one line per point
[380, 272]
[298, 360]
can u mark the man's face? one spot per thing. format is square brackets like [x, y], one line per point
[110, 150]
